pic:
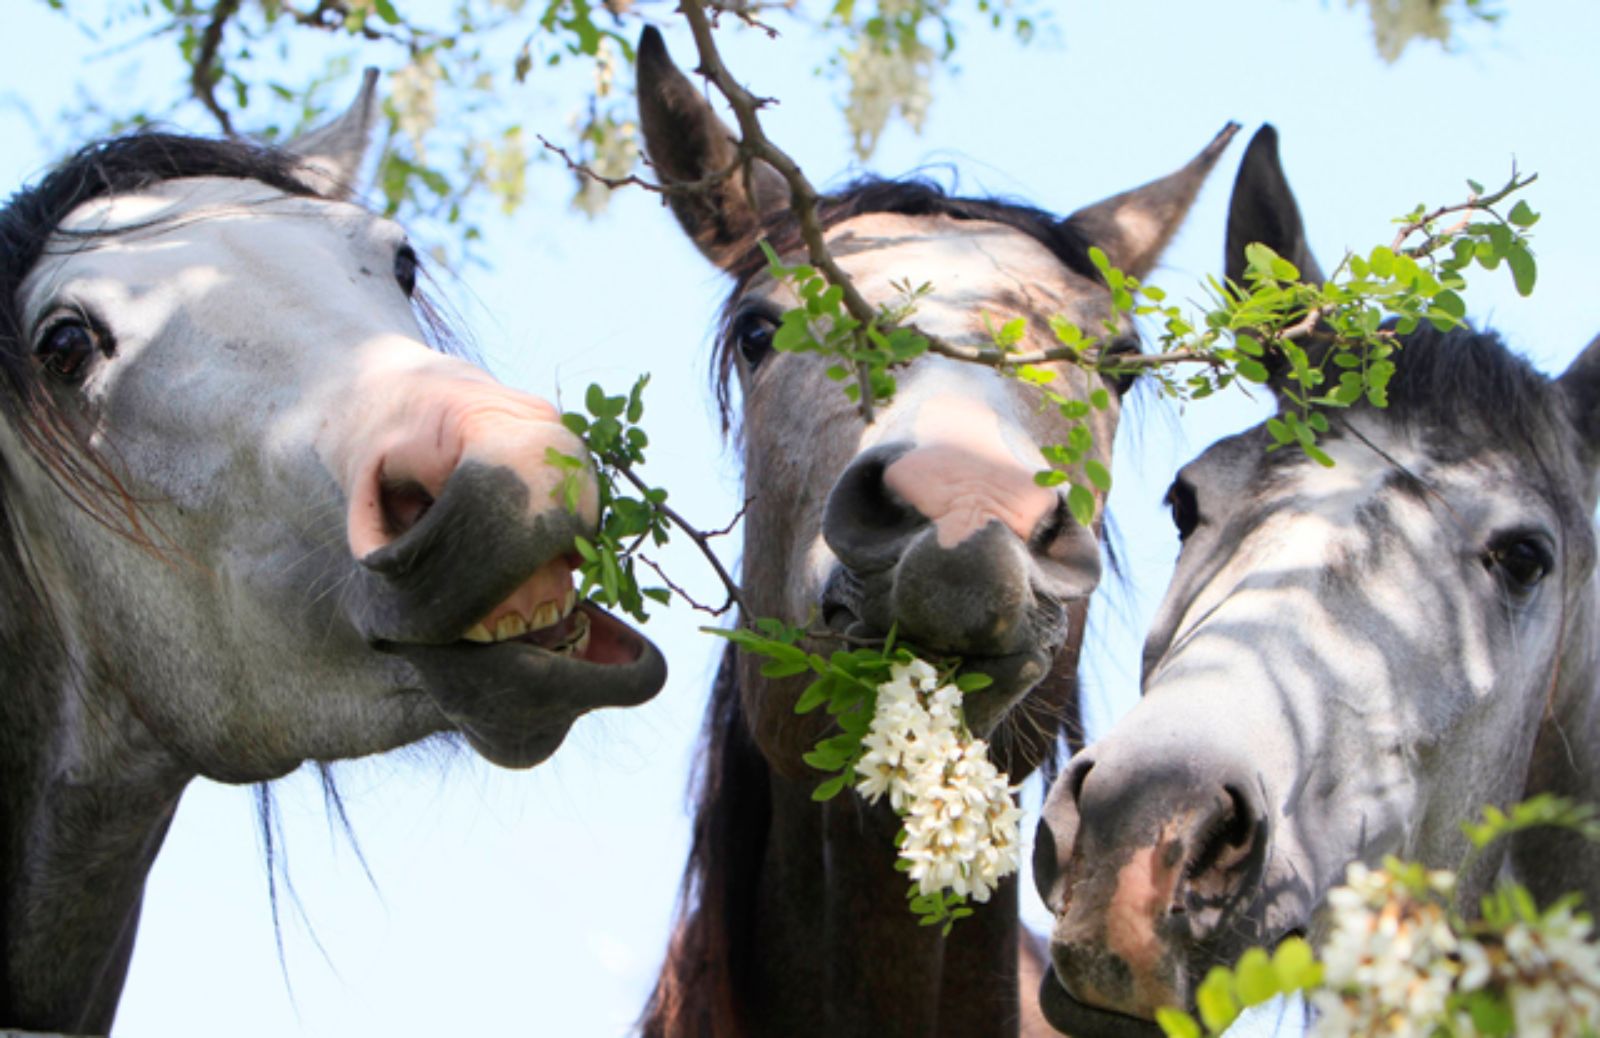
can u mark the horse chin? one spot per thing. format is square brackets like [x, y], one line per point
[515, 700]
[1046, 623]
[1081, 1020]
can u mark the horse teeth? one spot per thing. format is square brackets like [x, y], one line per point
[569, 603]
[581, 646]
[545, 614]
[510, 626]
[478, 633]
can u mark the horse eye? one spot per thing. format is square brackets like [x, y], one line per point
[66, 348]
[1185, 509]
[1113, 355]
[405, 269]
[752, 335]
[1522, 562]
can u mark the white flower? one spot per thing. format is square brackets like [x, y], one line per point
[962, 824]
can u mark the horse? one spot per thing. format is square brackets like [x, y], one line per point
[252, 514]
[928, 521]
[1349, 662]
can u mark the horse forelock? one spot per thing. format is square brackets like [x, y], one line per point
[904, 197]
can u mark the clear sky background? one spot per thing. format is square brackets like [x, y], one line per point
[537, 903]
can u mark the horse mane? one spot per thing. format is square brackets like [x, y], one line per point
[1467, 379]
[695, 994]
[914, 196]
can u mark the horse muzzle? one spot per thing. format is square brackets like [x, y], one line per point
[967, 585]
[1154, 866]
[477, 595]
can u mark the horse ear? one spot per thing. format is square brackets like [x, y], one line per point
[1263, 210]
[331, 154]
[1580, 385]
[1132, 228]
[686, 142]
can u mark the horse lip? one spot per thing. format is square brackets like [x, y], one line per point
[514, 702]
[1081, 1020]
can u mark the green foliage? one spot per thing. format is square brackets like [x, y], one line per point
[821, 324]
[630, 514]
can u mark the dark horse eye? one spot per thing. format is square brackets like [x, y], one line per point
[405, 269]
[1522, 561]
[752, 335]
[1185, 509]
[1114, 361]
[66, 348]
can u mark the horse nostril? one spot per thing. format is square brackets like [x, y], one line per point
[1218, 868]
[865, 522]
[1077, 776]
[404, 504]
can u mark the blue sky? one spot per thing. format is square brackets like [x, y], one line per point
[538, 902]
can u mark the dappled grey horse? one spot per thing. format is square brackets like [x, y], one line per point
[1350, 661]
[248, 518]
[927, 521]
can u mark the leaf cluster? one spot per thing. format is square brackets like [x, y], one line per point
[630, 514]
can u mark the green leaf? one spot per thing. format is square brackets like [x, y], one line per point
[1253, 370]
[1176, 1023]
[831, 788]
[1490, 1013]
[1011, 332]
[1523, 269]
[1255, 978]
[1218, 1008]
[1522, 215]
[1050, 478]
[973, 681]
[594, 398]
[1295, 964]
[1098, 475]
[1081, 504]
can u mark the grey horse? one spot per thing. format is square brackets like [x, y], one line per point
[249, 517]
[1349, 662]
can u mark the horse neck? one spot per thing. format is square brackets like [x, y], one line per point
[1566, 761]
[85, 801]
[796, 922]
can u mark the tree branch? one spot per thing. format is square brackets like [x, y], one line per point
[206, 72]
[1474, 203]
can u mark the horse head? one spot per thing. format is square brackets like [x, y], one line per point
[1349, 662]
[928, 521]
[250, 515]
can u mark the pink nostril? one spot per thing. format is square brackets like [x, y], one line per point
[403, 505]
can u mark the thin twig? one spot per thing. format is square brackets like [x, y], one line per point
[206, 73]
[673, 586]
[701, 540]
[1474, 203]
[686, 187]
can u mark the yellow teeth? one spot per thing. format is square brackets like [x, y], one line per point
[510, 626]
[545, 614]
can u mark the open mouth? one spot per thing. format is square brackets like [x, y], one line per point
[545, 613]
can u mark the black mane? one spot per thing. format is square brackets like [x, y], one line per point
[1466, 379]
[910, 197]
[116, 166]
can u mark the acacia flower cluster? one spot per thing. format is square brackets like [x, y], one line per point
[962, 829]
[1397, 963]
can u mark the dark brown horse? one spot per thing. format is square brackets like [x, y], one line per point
[928, 520]
[248, 518]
